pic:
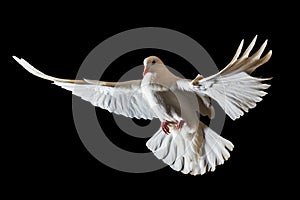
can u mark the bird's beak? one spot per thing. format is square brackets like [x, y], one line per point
[146, 69]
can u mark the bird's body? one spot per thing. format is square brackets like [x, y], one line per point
[183, 142]
[157, 92]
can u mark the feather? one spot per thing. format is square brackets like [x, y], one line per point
[105, 95]
[233, 87]
[177, 150]
[193, 148]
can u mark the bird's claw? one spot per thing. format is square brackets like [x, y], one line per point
[165, 127]
[179, 124]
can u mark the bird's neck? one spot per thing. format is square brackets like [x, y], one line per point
[160, 78]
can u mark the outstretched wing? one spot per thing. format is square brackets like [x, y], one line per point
[124, 98]
[233, 87]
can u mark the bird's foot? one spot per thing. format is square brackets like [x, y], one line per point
[165, 127]
[179, 124]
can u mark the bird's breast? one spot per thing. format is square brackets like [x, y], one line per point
[152, 82]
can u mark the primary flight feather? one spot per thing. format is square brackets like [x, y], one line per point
[183, 141]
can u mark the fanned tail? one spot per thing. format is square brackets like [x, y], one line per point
[191, 153]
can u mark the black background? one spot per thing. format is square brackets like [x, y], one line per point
[42, 146]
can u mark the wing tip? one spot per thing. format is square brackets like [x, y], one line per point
[270, 52]
[241, 44]
[19, 60]
[253, 40]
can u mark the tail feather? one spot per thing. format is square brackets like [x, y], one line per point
[191, 155]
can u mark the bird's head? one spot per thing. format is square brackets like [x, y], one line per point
[150, 63]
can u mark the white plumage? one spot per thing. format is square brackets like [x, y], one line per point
[184, 142]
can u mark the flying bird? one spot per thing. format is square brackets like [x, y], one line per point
[183, 142]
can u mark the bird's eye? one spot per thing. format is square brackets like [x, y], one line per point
[153, 62]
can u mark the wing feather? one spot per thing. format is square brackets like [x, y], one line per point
[124, 98]
[233, 87]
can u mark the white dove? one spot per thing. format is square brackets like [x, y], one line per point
[183, 141]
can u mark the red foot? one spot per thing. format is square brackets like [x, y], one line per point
[179, 124]
[165, 127]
